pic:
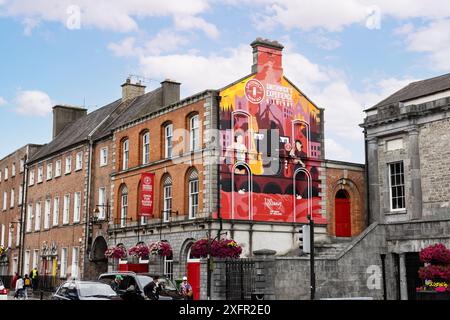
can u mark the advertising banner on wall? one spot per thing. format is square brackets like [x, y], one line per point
[146, 198]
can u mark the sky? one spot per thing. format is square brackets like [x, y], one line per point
[344, 55]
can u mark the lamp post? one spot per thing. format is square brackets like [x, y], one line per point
[208, 262]
[311, 256]
[95, 219]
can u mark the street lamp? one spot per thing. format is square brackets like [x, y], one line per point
[209, 267]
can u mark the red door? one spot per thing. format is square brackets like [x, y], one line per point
[193, 275]
[342, 215]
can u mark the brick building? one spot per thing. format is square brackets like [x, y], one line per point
[12, 181]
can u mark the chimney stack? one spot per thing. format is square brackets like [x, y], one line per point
[266, 52]
[65, 115]
[132, 90]
[170, 92]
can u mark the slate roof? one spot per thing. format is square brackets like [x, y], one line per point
[417, 89]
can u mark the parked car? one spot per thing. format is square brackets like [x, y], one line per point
[3, 291]
[139, 280]
[85, 290]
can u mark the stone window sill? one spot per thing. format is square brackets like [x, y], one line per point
[394, 212]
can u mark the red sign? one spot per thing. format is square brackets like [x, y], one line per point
[254, 91]
[147, 181]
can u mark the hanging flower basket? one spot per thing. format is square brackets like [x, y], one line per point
[117, 252]
[225, 248]
[139, 251]
[160, 248]
[435, 273]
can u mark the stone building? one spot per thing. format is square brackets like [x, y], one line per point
[12, 192]
[407, 144]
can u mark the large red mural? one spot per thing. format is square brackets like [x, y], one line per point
[271, 147]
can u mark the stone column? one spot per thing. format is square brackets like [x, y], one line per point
[265, 273]
[373, 180]
[415, 203]
[403, 283]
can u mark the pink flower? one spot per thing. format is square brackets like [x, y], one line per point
[441, 289]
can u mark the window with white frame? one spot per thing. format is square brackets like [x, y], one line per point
[101, 203]
[13, 169]
[168, 267]
[167, 194]
[397, 186]
[103, 156]
[125, 154]
[146, 148]
[123, 206]
[35, 259]
[0, 175]
[47, 214]
[194, 133]
[66, 209]
[26, 262]
[29, 217]
[143, 220]
[21, 165]
[19, 201]
[55, 211]
[2, 240]
[40, 174]
[193, 194]
[168, 140]
[75, 257]
[49, 171]
[18, 234]
[10, 235]
[37, 217]
[58, 168]
[6, 173]
[11, 204]
[31, 173]
[5, 200]
[79, 161]
[68, 168]
[77, 207]
[63, 267]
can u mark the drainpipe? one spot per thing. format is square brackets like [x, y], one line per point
[366, 171]
[88, 238]
[22, 214]
[219, 216]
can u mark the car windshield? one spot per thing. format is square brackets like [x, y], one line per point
[96, 290]
[163, 282]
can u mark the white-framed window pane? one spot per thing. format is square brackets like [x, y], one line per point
[40, 174]
[31, 182]
[55, 211]
[146, 148]
[47, 214]
[167, 202]
[11, 204]
[37, 217]
[194, 133]
[19, 201]
[10, 235]
[29, 217]
[397, 186]
[144, 220]
[19, 225]
[193, 198]
[2, 239]
[124, 210]
[79, 161]
[77, 207]
[103, 156]
[75, 258]
[35, 259]
[68, 168]
[168, 141]
[21, 165]
[58, 168]
[63, 267]
[125, 154]
[168, 267]
[101, 203]
[26, 262]
[5, 200]
[6, 173]
[13, 170]
[49, 171]
[66, 209]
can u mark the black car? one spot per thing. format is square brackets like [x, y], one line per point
[85, 290]
[137, 281]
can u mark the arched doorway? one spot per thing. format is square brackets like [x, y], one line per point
[342, 214]
[100, 262]
[193, 273]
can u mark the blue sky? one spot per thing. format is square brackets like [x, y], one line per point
[345, 55]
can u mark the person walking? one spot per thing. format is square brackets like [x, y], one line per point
[27, 284]
[151, 290]
[14, 280]
[19, 288]
[186, 289]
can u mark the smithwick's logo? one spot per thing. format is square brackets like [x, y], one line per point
[273, 206]
[254, 91]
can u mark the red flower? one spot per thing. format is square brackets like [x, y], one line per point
[161, 248]
[436, 254]
[140, 250]
[118, 252]
[225, 248]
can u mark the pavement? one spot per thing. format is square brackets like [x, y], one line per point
[32, 296]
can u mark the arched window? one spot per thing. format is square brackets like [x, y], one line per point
[145, 147]
[193, 193]
[194, 133]
[125, 153]
[167, 197]
[123, 205]
[168, 140]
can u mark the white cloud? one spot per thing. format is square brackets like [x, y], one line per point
[125, 48]
[33, 103]
[115, 15]
[336, 151]
[2, 101]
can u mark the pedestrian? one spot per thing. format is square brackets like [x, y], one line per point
[27, 284]
[186, 289]
[14, 280]
[19, 288]
[115, 284]
[34, 278]
[151, 290]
